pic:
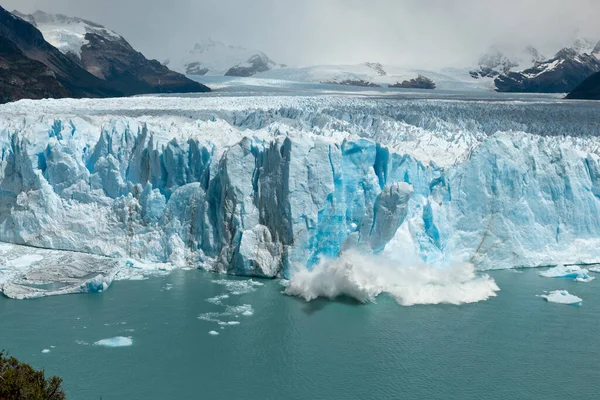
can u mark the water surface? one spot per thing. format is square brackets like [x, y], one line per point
[513, 346]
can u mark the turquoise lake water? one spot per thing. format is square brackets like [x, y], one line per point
[514, 346]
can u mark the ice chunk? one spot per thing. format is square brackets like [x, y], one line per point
[46, 351]
[562, 297]
[213, 333]
[118, 341]
[568, 272]
[218, 300]
[364, 277]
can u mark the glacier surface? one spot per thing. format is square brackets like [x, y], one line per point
[264, 186]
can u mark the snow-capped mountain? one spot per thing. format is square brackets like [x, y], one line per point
[24, 48]
[560, 74]
[527, 70]
[68, 34]
[501, 60]
[214, 58]
[108, 56]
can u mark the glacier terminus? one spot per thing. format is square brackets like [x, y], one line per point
[269, 185]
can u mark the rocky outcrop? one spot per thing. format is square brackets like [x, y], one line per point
[352, 82]
[420, 82]
[24, 78]
[254, 65]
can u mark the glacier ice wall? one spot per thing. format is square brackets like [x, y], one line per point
[259, 185]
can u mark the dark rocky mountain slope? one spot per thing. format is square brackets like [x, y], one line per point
[589, 89]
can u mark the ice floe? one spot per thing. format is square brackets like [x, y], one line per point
[118, 341]
[46, 351]
[213, 333]
[568, 272]
[29, 272]
[562, 297]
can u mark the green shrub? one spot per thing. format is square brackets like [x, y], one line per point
[19, 381]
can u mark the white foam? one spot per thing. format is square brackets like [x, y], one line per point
[118, 341]
[364, 277]
[562, 297]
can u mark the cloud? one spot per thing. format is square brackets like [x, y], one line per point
[412, 32]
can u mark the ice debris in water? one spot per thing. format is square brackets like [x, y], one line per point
[568, 272]
[213, 333]
[218, 300]
[46, 351]
[562, 297]
[234, 288]
[230, 311]
[118, 341]
[237, 287]
[365, 277]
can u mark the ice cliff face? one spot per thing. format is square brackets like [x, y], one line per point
[257, 186]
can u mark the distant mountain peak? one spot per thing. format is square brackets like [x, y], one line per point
[214, 57]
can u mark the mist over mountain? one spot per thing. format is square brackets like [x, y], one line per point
[414, 33]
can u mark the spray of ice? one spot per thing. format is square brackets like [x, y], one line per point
[364, 277]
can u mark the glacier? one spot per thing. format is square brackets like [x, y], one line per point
[262, 186]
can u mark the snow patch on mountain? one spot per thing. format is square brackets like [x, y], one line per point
[65, 33]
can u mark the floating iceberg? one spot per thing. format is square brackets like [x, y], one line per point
[568, 272]
[262, 186]
[119, 341]
[213, 333]
[562, 297]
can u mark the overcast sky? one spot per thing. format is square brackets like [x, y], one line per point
[302, 32]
